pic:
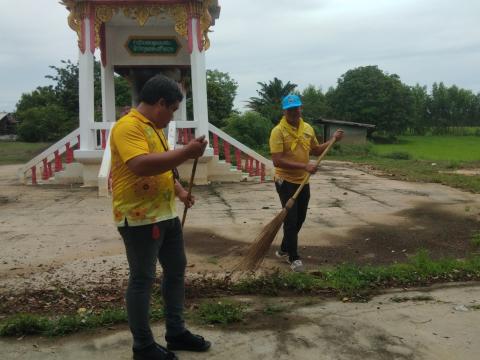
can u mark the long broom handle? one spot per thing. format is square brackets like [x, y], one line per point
[192, 176]
[291, 201]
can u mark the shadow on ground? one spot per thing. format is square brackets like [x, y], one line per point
[441, 233]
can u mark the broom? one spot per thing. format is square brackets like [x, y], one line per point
[194, 168]
[259, 248]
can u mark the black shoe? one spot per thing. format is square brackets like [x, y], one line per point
[187, 341]
[153, 352]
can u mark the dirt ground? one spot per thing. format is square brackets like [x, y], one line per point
[54, 237]
[431, 324]
[51, 235]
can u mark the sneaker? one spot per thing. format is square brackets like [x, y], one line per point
[281, 254]
[297, 266]
[187, 341]
[154, 352]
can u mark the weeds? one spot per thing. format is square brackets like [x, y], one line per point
[345, 281]
[475, 241]
[220, 312]
[27, 324]
[357, 281]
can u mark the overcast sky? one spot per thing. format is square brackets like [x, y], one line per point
[302, 41]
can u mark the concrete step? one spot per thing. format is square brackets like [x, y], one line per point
[71, 174]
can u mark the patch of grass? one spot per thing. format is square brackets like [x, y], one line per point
[424, 159]
[28, 324]
[476, 239]
[434, 148]
[452, 165]
[24, 324]
[398, 155]
[346, 281]
[272, 309]
[356, 281]
[352, 150]
[272, 283]
[16, 152]
[220, 312]
[420, 171]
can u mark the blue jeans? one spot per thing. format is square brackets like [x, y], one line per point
[144, 245]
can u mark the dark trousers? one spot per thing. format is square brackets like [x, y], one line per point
[295, 216]
[144, 245]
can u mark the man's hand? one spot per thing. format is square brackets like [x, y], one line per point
[311, 168]
[188, 200]
[338, 135]
[196, 147]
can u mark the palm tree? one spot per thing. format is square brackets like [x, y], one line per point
[270, 95]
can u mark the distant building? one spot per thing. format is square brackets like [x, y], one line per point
[8, 125]
[355, 133]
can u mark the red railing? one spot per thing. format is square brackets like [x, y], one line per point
[224, 150]
[242, 161]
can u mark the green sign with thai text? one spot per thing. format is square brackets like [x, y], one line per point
[153, 46]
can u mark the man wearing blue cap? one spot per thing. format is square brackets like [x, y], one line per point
[292, 142]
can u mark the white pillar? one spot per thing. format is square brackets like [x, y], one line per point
[108, 94]
[181, 113]
[85, 93]
[199, 87]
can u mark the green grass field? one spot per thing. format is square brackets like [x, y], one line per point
[435, 148]
[15, 152]
[420, 158]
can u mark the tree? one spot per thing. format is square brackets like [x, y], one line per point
[43, 123]
[62, 98]
[41, 96]
[270, 95]
[250, 128]
[368, 95]
[314, 104]
[221, 91]
[421, 115]
[66, 86]
[123, 92]
[439, 107]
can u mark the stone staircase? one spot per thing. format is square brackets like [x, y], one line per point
[56, 165]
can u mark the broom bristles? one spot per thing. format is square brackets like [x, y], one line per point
[260, 246]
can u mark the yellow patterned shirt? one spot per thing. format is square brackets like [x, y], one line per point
[139, 200]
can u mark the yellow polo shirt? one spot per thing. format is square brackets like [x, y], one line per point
[139, 200]
[281, 142]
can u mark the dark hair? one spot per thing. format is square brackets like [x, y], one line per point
[160, 87]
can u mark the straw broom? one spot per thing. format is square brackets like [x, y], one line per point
[190, 185]
[259, 248]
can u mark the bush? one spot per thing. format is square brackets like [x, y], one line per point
[250, 128]
[44, 123]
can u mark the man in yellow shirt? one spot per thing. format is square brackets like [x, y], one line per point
[292, 142]
[144, 190]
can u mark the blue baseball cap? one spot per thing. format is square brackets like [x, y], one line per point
[291, 101]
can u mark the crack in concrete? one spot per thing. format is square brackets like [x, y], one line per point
[344, 187]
